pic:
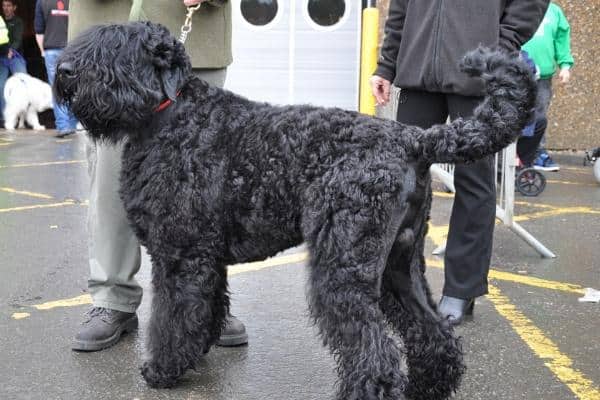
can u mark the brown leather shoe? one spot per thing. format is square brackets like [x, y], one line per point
[103, 328]
[234, 333]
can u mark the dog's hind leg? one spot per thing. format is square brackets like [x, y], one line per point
[434, 355]
[189, 306]
[32, 119]
[347, 259]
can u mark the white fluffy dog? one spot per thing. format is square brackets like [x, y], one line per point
[25, 97]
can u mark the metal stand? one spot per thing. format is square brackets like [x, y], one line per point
[505, 208]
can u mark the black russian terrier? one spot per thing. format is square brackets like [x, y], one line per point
[211, 179]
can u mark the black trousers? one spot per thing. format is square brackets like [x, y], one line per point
[470, 237]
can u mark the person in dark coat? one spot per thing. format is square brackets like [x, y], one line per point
[424, 43]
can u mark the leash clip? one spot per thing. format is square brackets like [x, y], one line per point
[186, 28]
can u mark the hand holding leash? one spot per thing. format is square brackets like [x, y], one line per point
[186, 28]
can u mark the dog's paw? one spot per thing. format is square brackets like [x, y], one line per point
[39, 128]
[157, 377]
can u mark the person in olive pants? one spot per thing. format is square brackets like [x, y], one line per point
[114, 252]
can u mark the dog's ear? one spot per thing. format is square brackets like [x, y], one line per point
[172, 80]
[168, 57]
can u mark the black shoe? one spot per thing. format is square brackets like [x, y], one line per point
[234, 333]
[64, 134]
[455, 311]
[103, 328]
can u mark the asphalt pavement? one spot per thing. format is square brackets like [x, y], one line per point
[531, 337]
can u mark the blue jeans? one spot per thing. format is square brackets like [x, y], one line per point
[9, 66]
[65, 120]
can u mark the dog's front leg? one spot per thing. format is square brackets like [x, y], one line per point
[188, 311]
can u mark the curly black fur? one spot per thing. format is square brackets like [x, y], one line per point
[216, 179]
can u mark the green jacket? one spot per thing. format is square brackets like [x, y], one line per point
[208, 45]
[551, 44]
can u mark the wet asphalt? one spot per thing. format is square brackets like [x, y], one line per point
[43, 194]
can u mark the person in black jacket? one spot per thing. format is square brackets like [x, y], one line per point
[423, 45]
[50, 25]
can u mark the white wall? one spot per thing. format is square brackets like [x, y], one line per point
[294, 60]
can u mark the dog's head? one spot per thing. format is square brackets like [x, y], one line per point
[114, 76]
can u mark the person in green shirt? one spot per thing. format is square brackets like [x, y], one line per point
[550, 49]
[114, 252]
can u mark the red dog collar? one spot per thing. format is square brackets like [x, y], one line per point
[166, 103]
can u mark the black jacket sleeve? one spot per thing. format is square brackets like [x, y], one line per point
[39, 21]
[386, 65]
[519, 22]
[16, 34]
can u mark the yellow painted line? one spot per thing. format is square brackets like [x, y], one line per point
[36, 206]
[232, 270]
[43, 164]
[25, 193]
[556, 212]
[443, 194]
[523, 279]
[570, 183]
[303, 257]
[535, 205]
[75, 301]
[585, 170]
[5, 144]
[270, 262]
[438, 234]
[560, 364]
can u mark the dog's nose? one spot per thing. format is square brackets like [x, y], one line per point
[65, 68]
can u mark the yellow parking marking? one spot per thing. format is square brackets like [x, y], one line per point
[25, 193]
[232, 270]
[270, 262]
[560, 364]
[53, 205]
[585, 170]
[75, 301]
[557, 211]
[570, 183]
[43, 164]
[303, 257]
[523, 279]
[443, 194]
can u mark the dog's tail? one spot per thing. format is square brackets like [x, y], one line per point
[508, 106]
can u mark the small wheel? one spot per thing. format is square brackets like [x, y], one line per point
[597, 169]
[530, 182]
